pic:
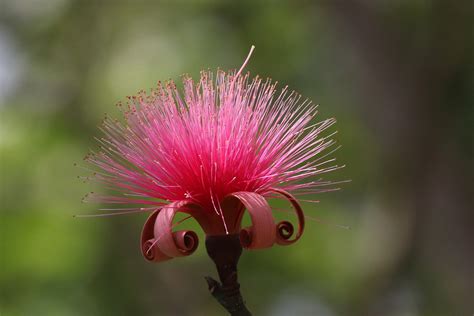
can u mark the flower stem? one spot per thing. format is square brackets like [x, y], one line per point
[225, 251]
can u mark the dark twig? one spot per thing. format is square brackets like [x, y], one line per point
[225, 251]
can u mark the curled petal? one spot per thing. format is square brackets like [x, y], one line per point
[246, 237]
[152, 253]
[149, 249]
[169, 244]
[262, 233]
[186, 240]
[159, 243]
[285, 229]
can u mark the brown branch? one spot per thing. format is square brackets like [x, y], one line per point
[225, 251]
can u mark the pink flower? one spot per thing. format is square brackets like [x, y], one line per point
[222, 145]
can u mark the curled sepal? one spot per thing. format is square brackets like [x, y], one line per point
[159, 243]
[284, 229]
[262, 233]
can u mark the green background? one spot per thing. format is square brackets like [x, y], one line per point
[398, 76]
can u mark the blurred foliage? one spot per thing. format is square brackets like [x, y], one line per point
[398, 75]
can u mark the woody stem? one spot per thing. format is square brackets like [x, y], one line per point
[225, 251]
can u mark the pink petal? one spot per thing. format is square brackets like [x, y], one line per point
[148, 243]
[285, 229]
[159, 242]
[262, 233]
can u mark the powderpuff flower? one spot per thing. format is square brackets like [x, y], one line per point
[214, 149]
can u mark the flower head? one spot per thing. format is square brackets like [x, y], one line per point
[221, 145]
